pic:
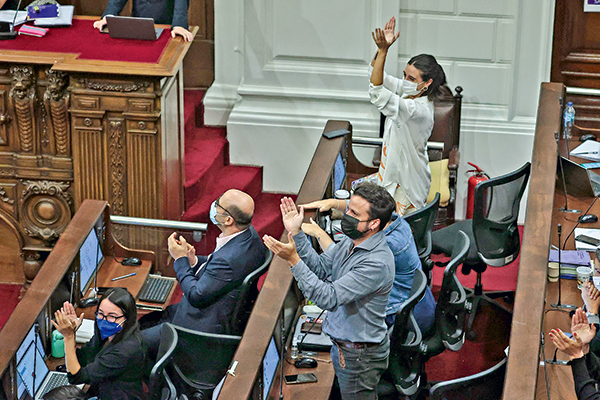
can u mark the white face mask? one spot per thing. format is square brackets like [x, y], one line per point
[410, 88]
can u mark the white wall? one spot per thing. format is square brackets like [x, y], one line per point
[283, 68]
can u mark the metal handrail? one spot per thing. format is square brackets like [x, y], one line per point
[375, 141]
[159, 223]
[583, 91]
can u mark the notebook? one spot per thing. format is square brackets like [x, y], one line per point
[65, 18]
[312, 341]
[579, 181]
[132, 28]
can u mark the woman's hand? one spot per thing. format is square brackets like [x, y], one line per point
[386, 37]
[64, 324]
[69, 311]
[581, 327]
[573, 348]
[184, 33]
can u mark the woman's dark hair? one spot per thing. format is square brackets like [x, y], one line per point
[67, 392]
[430, 69]
[124, 300]
[381, 203]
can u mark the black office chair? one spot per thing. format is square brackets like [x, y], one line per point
[486, 385]
[409, 355]
[421, 222]
[493, 232]
[247, 295]
[405, 341]
[160, 384]
[198, 361]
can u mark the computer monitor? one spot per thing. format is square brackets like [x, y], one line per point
[28, 360]
[339, 173]
[269, 364]
[90, 258]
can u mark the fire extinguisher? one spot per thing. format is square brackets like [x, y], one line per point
[478, 176]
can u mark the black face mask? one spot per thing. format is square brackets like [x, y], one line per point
[350, 227]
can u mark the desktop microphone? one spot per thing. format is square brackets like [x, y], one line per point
[554, 361]
[558, 304]
[308, 331]
[12, 33]
[562, 173]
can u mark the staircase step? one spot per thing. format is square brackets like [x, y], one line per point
[203, 162]
[192, 101]
[205, 191]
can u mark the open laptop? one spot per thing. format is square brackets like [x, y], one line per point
[580, 182]
[34, 379]
[132, 28]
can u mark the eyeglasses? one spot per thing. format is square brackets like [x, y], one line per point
[109, 318]
[226, 210]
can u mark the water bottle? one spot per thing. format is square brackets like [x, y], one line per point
[568, 120]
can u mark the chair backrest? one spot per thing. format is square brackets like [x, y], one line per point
[404, 364]
[421, 223]
[201, 359]
[159, 381]
[446, 125]
[247, 296]
[450, 310]
[495, 213]
[486, 385]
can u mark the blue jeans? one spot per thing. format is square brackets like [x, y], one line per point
[359, 379]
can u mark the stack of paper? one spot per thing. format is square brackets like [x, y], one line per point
[85, 331]
[9, 16]
[590, 149]
[569, 261]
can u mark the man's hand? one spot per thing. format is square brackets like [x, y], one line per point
[184, 33]
[573, 348]
[581, 327]
[292, 219]
[177, 247]
[69, 311]
[191, 255]
[324, 205]
[313, 229]
[287, 251]
[100, 24]
[591, 297]
[386, 37]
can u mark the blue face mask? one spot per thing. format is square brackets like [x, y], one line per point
[213, 213]
[108, 329]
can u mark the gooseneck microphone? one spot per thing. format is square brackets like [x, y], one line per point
[11, 34]
[558, 304]
[562, 175]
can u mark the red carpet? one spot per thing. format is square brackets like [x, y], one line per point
[9, 298]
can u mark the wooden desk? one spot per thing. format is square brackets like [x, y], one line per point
[75, 128]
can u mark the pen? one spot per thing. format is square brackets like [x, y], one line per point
[123, 277]
[587, 152]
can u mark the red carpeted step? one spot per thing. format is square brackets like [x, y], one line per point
[247, 179]
[204, 159]
[192, 101]
[9, 298]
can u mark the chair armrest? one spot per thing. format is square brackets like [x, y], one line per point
[454, 159]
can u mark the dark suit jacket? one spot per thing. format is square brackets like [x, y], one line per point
[174, 12]
[210, 296]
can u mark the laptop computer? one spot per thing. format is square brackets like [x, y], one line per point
[580, 182]
[34, 379]
[132, 28]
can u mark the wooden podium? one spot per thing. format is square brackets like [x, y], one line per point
[77, 122]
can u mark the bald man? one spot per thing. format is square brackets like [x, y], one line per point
[211, 284]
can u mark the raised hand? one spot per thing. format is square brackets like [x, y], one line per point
[69, 311]
[581, 327]
[191, 254]
[64, 324]
[385, 37]
[322, 205]
[591, 297]
[177, 247]
[287, 251]
[292, 219]
[573, 348]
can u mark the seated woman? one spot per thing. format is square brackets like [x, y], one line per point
[408, 105]
[113, 361]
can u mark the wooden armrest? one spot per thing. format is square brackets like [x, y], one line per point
[454, 159]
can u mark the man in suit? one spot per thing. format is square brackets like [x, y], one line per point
[211, 284]
[173, 12]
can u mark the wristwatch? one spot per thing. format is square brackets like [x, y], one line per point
[593, 318]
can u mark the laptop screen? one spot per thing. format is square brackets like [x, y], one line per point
[269, 367]
[31, 371]
[90, 257]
